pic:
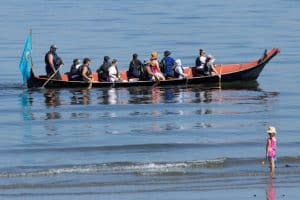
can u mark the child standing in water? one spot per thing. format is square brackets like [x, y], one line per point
[271, 149]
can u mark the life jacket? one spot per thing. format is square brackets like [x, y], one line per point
[88, 73]
[57, 61]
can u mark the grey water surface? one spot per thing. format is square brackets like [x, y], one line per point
[148, 142]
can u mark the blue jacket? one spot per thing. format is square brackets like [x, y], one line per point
[167, 66]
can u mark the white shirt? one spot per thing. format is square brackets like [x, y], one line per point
[202, 60]
[113, 73]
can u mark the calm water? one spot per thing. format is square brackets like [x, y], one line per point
[148, 143]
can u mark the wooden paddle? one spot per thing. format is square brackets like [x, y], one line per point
[220, 76]
[43, 86]
[90, 85]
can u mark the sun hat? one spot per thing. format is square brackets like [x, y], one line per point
[271, 129]
[154, 55]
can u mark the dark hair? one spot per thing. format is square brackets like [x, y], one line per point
[135, 56]
[167, 53]
[106, 58]
[114, 61]
[76, 60]
[86, 60]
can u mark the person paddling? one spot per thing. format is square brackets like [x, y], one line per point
[86, 72]
[53, 62]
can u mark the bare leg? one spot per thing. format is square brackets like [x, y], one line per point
[272, 167]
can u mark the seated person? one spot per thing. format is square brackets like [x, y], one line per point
[113, 72]
[200, 63]
[103, 69]
[144, 71]
[74, 73]
[135, 68]
[167, 65]
[179, 71]
[209, 65]
[153, 68]
[86, 72]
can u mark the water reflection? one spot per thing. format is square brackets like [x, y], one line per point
[155, 95]
[271, 190]
[26, 103]
[52, 100]
[27, 115]
[81, 97]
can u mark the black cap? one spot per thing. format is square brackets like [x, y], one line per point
[53, 46]
[76, 60]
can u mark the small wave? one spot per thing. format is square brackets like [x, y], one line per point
[144, 168]
[115, 167]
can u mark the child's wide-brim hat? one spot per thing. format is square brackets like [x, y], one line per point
[154, 55]
[271, 129]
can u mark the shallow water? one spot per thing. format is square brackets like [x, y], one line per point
[141, 143]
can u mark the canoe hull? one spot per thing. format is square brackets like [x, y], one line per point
[226, 73]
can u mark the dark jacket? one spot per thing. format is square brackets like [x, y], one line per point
[103, 70]
[135, 68]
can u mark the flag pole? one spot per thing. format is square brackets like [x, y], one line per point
[31, 50]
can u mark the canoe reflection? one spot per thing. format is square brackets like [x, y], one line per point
[54, 98]
[81, 97]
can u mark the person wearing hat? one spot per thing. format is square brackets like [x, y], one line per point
[53, 62]
[113, 72]
[210, 66]
[271, 149]
[103, 69]
[167, 65]
[153, 68]
[74, 73]
[179, 71]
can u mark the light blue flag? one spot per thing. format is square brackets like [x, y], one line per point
[25, 63]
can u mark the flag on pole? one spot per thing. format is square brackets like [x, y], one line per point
[26, 59]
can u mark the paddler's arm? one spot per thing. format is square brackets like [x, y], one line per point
[50, 60]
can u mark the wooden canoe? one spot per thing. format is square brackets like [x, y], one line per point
[225, 73]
